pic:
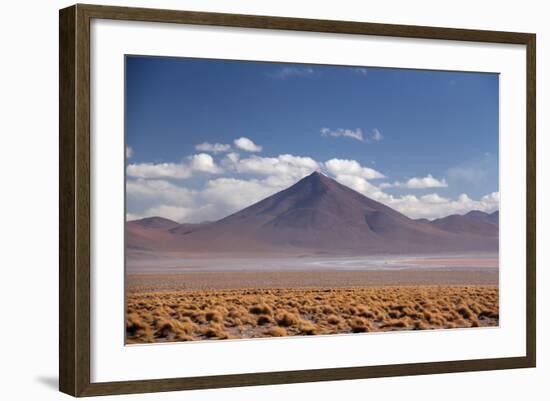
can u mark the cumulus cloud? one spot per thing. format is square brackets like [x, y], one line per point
[358, 184]
[373, 136]
[158, 170]
[247, 145]
[338, 167]
[232, 194]
[433, 198]
[418, 183]
[201, 162]
[430, 206]
[213, 147]
[205, 163]
[250, 179]
[148, 192]
[129, 152]
[150, 197]
[286, 164]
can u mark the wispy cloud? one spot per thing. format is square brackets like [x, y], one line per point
[475, 171]
[129, 152]
[292, 72]
[472, 174]
[213, 147]
[361, 70]
[356, 134]
[374, 135]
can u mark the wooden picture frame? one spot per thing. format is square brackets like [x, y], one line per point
[74, 199]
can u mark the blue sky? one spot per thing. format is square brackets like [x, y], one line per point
[392, 134]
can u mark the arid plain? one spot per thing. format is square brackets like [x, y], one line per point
[316, 258]
[214, 304]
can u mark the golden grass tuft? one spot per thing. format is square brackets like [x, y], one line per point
[287, 319]
[261, 309]
[333, 319]
[307, 328]
[275, 331]
[359, 325]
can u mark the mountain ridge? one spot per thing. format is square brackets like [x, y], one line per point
[321, 215]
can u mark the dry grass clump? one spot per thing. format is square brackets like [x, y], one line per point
[287, 319]
[137, 329]
[359, 325]
[261, 309]
[275, 331]
[333, 319]
[221, 314]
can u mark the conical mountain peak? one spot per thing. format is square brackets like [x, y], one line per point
[316, 182]
[319, 214]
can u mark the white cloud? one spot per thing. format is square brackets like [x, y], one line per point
[247, 145]
[358, 184]
[232, 157]
[418, 183]
[149, 192]
[433, 198]
[283, 168]
[429, 206]
[357, 134]
[344, 132]
[338, 167]
[376, 135]
[361, 70]
[254, 178]
[158, 170]
[129, 152]
[203, 162]
[232, 194]
[433, 206]
[290, 72]
[213, 147]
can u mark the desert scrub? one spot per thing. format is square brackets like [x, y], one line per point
[199, 315]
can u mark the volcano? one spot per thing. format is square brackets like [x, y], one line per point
[317, 215]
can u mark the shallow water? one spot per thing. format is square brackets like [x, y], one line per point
[464, 262]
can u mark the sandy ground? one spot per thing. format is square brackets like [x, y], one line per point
[310, 279]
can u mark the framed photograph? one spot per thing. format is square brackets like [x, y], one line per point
[249, 200]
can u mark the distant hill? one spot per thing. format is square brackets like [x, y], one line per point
[473, 222]
[318, 215]
[154, 223]
[479, 215]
